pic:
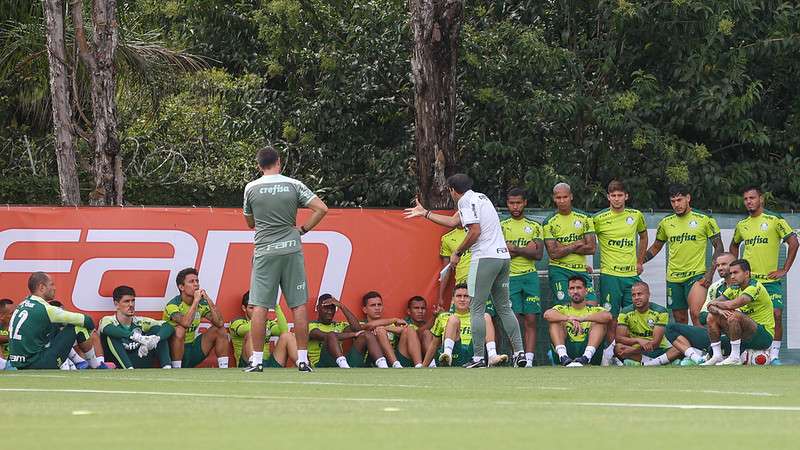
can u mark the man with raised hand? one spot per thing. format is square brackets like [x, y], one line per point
[640, 330]
[270, 206]
[185, 312]
[129, 340]
[618, 228]
[489, 267]
[762, 233]
[285, 347]
[569, 237]
[577, 329]
[524, 240]
[686, 233]
[744, 313]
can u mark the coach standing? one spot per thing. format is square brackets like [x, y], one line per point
[489, 267]
[270, 206]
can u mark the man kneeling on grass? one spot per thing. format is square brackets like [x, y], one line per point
[399, 342]
[325, 338]
[285, 347]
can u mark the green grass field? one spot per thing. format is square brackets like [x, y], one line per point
[497, 409]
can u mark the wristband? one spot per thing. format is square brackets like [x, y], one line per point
[303, 229]
[428, 214]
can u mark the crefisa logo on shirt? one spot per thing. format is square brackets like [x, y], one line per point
[275, 189]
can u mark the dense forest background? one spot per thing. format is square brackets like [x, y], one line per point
[704, 92]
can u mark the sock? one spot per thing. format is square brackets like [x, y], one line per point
[432, 364]
[176, 364]
[589, 352]
[342, 362]
[381, 363]
[646, 359]
[448, 346]
[397, 365]
[418, 366]
[609, 351]
[736, 349]
[561, 350]
[660, 361]
[75, 357]
[693, 354]
[168, 366]
[716, 350]
[255, 359]
[302, 356]
[101, 360]
[491, 349]
[222, 362]
[529, 357]
[90, 356]
[3, 363]
[775, 350]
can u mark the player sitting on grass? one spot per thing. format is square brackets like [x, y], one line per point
[744, 313]
[640, 330]
[577, 329]
[6, 308]
[285, 347]
[76, 357]
[131, 341]
[184, 312]
[326, 338]
[41, 335]
[418, 319]
[399, 342]
[454, 328]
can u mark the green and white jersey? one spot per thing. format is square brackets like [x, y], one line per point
[176, 305]
[617, 234]
[314, 346]
[714, 292]
[520, 232]
[450, 242]
[568, 310]
[4, 346]
[241, 326]
[643, 324]
[273, 200]
[760, 307]
[762, 237]
[686, 238]
[567, 229]
[110, 327]
[31, 326]
[465, 327]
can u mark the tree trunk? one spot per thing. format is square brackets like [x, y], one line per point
[60, 99]
[435, 25]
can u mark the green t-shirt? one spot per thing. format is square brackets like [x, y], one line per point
[762, 237]
[176, 305]
[567, 229]
[686, 238]
[241, 326]
[465, 328]
[642, 325]
[111, 327]
[520, 233]
[273, 200]
[450, 242]
[759, 308]
[568, 310]
[617, 234]
[314, 346]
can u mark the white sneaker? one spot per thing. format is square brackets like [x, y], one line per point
[616, 361]
[497, 360]
[712, 361]
[445, 360]
[730, 361]
[574, 364]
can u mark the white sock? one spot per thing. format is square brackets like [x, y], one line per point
[168, 366]
[75, 357]
[529, 357]
[418, 366]
[736, 349]
[646, 359]
[3, 363]
[222, 362]
[448, 346]
[589, 352]
[342, 362]
[397, 365]
[256, 358]
[561, 350]
[609, 351]
[716, 350]
[90, 356]
[775, 350]
[491, 349]
[432, 365]
[176, 364]
[660, 361]
[381, 363]
[101, 359]
[693, 354]
[302, 356]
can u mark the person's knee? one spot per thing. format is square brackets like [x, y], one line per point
[180, 333]
[454, 321]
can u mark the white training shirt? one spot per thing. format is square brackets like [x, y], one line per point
[474, 207]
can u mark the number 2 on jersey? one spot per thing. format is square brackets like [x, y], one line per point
[23, 316]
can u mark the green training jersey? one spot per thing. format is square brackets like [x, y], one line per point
[573, 334]
[31, 326]
[617, 234]
[450, 242]
[4, 345]
[315, 346]
[272, 201]
[686, 238]
[642, 324]
[762, 237]
[465, 327]
[411, 323]
[520, 233]
[759, 308]
[567, 229]
[176, 305]
[239, 328]
[111, 327]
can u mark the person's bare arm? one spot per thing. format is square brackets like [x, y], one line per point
[533, 250]
[622, 337]
[589, 245]
[641, 251]
[653, 250]
[791, 253]
[251, 221]
[418, 211]
[318, 210]
[557, 250]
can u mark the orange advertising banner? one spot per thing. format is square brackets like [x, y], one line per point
[89, 251]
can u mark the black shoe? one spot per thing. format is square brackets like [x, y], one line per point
[475, 364]
[582, 360]
[304, 367]
[256, 368]
[518, 360]
[564, 360]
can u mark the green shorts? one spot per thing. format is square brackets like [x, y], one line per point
[697, 336]
[775, 291]
[193, 352]
[462, 353]
[615, 292]
[271, 272]
[576, 349]
[403, 359]
[558, 278]
[655, 353]
[761, 340]
[678, 292]
[524, 292]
